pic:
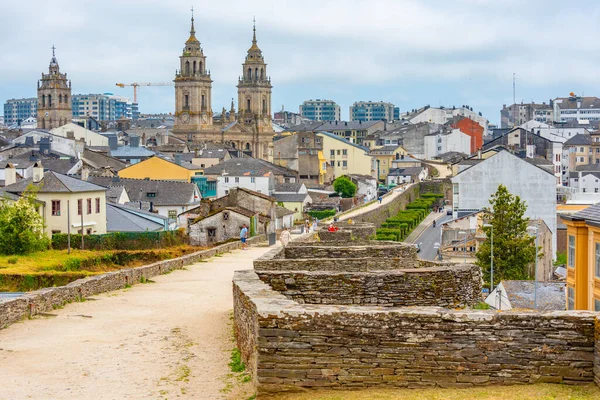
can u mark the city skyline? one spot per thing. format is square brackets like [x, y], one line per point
[405, 53]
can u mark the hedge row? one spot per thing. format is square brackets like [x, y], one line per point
[121, 240]
[321, 214]
[399, 226]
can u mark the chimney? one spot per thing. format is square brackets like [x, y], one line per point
[10, 174]
[479, 154]
[196, 153]
[38, 172]
[85, 174]
[178, 159]
[134, 141]
[112, 142]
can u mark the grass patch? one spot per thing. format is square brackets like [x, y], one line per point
[236, 363]
[482, 305]
[183, 374]
[58, 268]
[143, 279]
[521, 392]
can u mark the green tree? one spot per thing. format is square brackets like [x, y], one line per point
[344, 186]
[514, 248]
[21, 226]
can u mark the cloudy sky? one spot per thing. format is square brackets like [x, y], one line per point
[407, 52]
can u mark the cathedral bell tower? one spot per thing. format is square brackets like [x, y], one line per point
[54, 97]
[193, 111]
[254, 90]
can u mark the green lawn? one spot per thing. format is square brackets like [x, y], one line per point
[525, 392]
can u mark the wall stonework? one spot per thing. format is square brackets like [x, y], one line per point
[39, 301]
[378, 215]
[302, 347]
[458, 286]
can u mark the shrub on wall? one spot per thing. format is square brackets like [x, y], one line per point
[321, 214]
[396, 233]
[121, 240]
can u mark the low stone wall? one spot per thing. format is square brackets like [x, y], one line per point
[378, 215]
[442, 286]
[303, 347]
[368, 250]
[341, 236]
[39, 301]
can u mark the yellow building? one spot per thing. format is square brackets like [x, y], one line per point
[156, 168]
[583, 259]
[384, 155]
[346, 157]
[65, 200]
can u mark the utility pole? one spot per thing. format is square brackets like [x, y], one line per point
[68, 228]
[81, 224]
[514, 100]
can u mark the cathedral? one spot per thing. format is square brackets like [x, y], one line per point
[249, 129]
[54, 98]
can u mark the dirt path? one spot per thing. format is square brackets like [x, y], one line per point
[168, 339]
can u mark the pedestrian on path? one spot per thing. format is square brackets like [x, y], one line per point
[380, 199]
[285, 237]
[244, 236]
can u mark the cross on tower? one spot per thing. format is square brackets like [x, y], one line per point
[192, 12]
[53, 48]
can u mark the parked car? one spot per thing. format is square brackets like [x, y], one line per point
[418, 247]
[449, 212]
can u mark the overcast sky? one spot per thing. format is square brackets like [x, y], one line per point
[407, 52]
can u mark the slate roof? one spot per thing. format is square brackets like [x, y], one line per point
[99, 160]
[571, 102]
[405, 171]
[122, 219]
[290, 197]
[166, 193]
[385, 149]
[347, 125]
[581, 139]
[53, 182]
[591, 213]
[550, 295]
[288, 187]
[114, 192]
[282, 211]
[588, 168]
[247, 166]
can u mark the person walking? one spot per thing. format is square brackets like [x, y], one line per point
[380, 199]
[285, 237]
[244, 237]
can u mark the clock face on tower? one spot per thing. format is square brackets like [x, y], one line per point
[184, 118]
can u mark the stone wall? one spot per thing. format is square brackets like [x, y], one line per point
[39, 301]
[442, 286]
[302, 347]
[371, 250]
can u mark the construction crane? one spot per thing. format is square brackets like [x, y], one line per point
[138, 84]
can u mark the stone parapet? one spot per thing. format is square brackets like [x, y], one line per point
[306, 346]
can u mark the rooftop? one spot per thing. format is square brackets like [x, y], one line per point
[248, 166]
[550, 295]
[580, 139]
[54, 182]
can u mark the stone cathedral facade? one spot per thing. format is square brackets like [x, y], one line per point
[54, 97]
[249, 129]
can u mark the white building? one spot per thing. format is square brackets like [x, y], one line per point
[575, 108]
[554, 133]
[442, 115]
[585, 182]
[474, 186]
[399, 176]
[256, 183]
[446, 141]
[74, 131]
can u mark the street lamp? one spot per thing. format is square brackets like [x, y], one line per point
[465, 234]
[491, 256]
[535, 229]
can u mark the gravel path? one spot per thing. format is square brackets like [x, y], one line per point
[167, 339]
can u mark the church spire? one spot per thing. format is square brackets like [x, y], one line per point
[192, 30]
[254, 31]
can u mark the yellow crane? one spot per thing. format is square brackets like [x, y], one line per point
[138, 84]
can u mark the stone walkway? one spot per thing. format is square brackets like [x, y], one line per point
[168, 339]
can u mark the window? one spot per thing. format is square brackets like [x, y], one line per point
[89, 206]
[89, 231]
[344, 152]
[570, 298]
[345, 164]
[225, 215]
[596, 305]
[332, 153]
[151, 194]
[237, 179]
[571, 252]
[338, 152]
[56, 208]
[212, 232]
[597, 260]
[226, 179]
[79, 206]
[56, 231]
[172, 214]
[252, 180]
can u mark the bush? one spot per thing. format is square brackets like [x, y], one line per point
[321, 214]
[21, 226]
[432, 195]
[344, 186]
[386, 237]
[396, 233]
